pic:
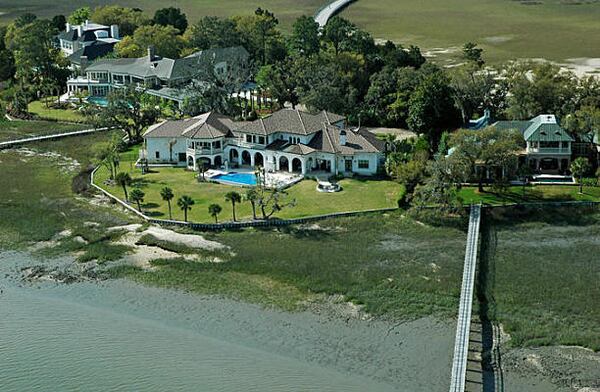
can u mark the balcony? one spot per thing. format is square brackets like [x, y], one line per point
[549, 150]
[245, 144]
[203, 151]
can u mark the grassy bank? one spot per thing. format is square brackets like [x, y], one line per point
[546, 274]
[38, 200]
[357, 194]
[13, 130]
[529, 194]
[391, 264]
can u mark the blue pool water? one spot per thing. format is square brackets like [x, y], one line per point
[236, 178]
[100, 101]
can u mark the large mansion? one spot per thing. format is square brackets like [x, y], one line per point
[288, 140]
[159, 76]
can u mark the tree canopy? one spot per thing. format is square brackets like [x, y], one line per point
[171, 16]
[165, 39]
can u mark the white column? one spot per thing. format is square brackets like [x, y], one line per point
[252, 160]
[303, 167]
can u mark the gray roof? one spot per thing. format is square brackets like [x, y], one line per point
[206, 126]
[292, 121]
[357, 141]
[166, 68]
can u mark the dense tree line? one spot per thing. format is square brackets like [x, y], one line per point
[341, 69]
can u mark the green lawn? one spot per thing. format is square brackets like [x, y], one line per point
[69, 115]
[357, 194]
[13, 130]
[545, 269]
[537, 193]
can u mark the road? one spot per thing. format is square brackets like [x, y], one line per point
[328, 11]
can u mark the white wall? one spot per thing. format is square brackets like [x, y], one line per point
[161, 144]
[373, 164]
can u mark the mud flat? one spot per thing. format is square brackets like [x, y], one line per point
[117, 334]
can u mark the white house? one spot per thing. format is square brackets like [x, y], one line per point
[288, 140]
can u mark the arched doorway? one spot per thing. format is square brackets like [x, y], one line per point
[233, 155]
[204, 161]
[218, 161]
[297, 165]
[284, 164]
[246, 159]
[259, 160]
[190, 162]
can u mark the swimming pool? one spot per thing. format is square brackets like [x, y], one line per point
[236, 178]
[100, 101]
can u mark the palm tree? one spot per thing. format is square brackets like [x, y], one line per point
[167, 195]
[214, 210]
[233, 197]
[123, 179]
[252, 196]
[185, 203]
[579, 167]
[137, 196]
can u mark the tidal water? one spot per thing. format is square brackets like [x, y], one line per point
[120, 336]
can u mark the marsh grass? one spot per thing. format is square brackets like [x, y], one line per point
[13, 130]
[387, 262]
[547, 269]
[37, 200]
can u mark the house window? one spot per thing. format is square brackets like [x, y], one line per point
[157, 154]
[181, 157]
[249, 138]
[261, 140]
[363, 164]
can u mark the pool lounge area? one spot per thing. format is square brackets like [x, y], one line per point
[278, 180]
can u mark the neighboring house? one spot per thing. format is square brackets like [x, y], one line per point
[84, 43]
[159, 76]
[288, 140]
[549, 146]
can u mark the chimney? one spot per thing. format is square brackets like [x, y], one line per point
[67, 27]
[79, 30]
[87, 22]
[114, 31]
[343, 137]
[83, 62]
[151, 53]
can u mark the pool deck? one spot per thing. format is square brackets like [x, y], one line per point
[279, 180]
